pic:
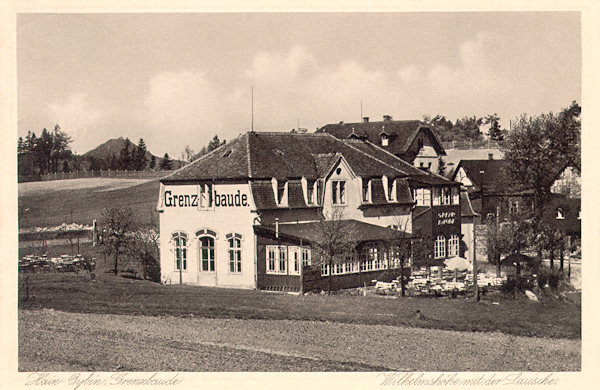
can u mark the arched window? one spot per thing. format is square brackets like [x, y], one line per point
[180, 246]
[207, 253]
[234, 242]
[439, 249]
[560, 213]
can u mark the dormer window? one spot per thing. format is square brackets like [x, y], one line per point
[385, 141]
[560, 213]
[366, 190]
[391, 190]
[310, 191]
[280, 190]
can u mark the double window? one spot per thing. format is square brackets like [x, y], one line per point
[207, 254]
[284, 260]
[180, 247]
[422, 196]
[453, 246]
[338, 192]
[439, 248]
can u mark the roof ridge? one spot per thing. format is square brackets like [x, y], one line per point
[189, 165]
[247, 134]
[373, 157]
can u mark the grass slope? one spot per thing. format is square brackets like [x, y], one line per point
[116, 295]
[56, 206]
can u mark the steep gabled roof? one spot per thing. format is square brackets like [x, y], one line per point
[489, 176]
[401, 133]
[294, 155]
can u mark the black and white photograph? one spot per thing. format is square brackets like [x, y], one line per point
[390, 192]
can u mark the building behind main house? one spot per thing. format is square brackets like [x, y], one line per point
[247, 215]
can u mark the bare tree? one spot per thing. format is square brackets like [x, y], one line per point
[120, 225]
[401, 250]
[336, 242]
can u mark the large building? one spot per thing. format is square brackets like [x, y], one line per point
[411, 140]
[248, 214]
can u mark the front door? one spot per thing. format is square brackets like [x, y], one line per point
[207, 273]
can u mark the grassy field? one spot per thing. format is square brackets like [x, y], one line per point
[52, 203]
[51, 340]
[110, 294]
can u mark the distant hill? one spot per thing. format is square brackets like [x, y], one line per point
[114, 146]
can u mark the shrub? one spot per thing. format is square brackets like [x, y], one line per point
[514, 285]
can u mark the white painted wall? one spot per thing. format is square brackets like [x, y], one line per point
[354, 200]
[222, 220]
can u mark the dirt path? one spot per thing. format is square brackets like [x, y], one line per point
[59, 341]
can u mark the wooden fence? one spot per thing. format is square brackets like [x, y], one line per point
[90, 174]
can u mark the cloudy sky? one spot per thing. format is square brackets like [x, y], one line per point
[178, 79]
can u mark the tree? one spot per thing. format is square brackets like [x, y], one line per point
[335, 244]
[441, 166]
[494, 132]
[119, 224]
[153, 162]
[535, 145]
[401, 249]
[166, 163]
[144, 249]
[214, 143]
[467, 128]
[125, 156]
[60, 149]
[509, 237]
[139, 156]
[188, 153]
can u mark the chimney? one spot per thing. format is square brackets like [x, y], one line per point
[365, 119]
[387, 118]
[490, 156]
[276, 227]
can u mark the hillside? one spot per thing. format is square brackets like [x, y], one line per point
[112, 147]
[65, 203]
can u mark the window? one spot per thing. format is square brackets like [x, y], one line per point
[446, 196]
[280, 191]
[385, 141]
[207, 254]
[560, 213]
[271, 259]
[366, 193]
[338, 269]
[394, 257]
[235, 253]
[295, 263]
[338, 192]
[422, 196]
[453, 245]
[391, 188]
[513, 206]
[180, 243]
[455, 196]
[282, 259]
[371, 257]
[324, 269]
[310, 191]
[206, 196]
[437, 197]
[439, 249]
[305, 256]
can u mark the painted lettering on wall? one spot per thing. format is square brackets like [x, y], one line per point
[446, 218]
[220, 200]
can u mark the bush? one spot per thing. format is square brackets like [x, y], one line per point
[542, 279]
[514, 285]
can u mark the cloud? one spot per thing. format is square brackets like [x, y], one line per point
[78, 118]
[291, 86]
